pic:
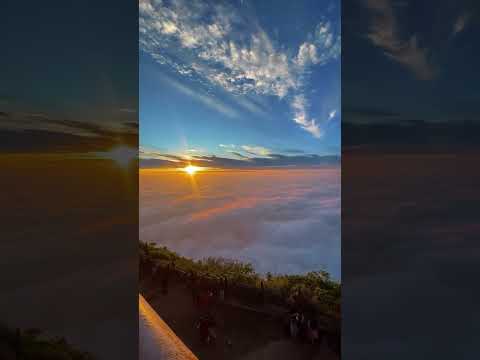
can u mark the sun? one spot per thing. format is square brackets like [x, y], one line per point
[191, 169]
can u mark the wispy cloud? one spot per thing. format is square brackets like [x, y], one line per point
[299, 106]
[209, 101]
[154, 154]
[384, 32]
[246, 151]
[256, 150]
[195, 151]
[35, 131]
[230, 146]
[332, 114]
[219, 47]
[250, 106]
[324, 46]
[239, 155]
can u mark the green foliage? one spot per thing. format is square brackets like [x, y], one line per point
[214, 267]
[315, 287]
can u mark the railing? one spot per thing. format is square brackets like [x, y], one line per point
[256, 294]
[260, 297]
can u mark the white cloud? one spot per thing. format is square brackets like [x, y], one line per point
[325, 46]
[254, 66]
[194, 150]
[307, 54]
[332, 114]
[328, 42]
[299, 106]
[219, 47]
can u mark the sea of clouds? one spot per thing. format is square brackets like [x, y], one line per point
[282, 220]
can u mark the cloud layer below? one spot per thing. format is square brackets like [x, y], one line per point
[279, 220]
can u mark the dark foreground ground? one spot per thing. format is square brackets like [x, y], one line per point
[410, 254]
[254, 334]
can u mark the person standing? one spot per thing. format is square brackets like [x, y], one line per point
[294, 326]
[221, 294]
[202, 327]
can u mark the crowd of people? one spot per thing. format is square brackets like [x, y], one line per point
[301, 326]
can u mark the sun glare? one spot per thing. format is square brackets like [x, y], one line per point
[122, 155]
[191, 169]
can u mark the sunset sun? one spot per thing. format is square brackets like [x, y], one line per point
[191, 169]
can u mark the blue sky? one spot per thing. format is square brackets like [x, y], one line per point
[239, 79]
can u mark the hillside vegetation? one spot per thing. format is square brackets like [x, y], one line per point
[31, 344]
[314, 288]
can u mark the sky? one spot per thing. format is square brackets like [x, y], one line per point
[69, 78]
[239, 80]
[410, 61]
[251, 90]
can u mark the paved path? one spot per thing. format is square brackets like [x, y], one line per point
[286, 349]
[254, 335]
[157, 340]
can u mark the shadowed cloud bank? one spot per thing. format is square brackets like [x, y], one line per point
[23, 132]
[149, 159]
